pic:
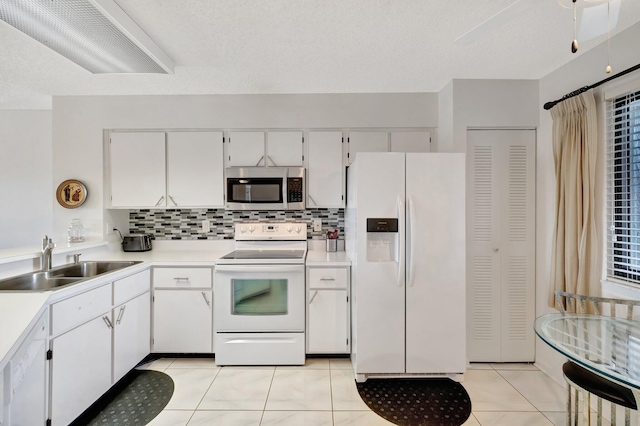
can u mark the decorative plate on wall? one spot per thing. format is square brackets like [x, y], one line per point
[71, 193]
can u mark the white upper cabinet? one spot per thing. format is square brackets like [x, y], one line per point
[246, 149]
[280, 148]
[409, 141]
[325, 173]
[137, 169]
[367, 142]
[185, 171]
[284, 149]
[195, 169]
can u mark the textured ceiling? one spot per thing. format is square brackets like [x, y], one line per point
[310, 46]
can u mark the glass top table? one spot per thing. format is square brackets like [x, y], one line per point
[608, 346]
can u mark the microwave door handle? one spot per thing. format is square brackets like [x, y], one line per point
[285, 184]
[258, 163]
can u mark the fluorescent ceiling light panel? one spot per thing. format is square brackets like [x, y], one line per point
[95, 34]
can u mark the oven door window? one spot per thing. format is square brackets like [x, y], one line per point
[259, 297]
[255, 190]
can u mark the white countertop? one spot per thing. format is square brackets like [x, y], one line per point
[171, 257]
[324, 258]
[19, 311]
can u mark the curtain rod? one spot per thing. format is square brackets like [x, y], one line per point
[551, 104]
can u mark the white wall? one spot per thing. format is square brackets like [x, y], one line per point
[582, 71]
[445, 119]
[492, 104]
[26, 187]
[78, 124]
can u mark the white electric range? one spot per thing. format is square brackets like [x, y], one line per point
[259, 303]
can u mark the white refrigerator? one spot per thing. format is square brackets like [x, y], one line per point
[405, 236]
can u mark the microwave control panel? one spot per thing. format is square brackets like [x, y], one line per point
[294, 190]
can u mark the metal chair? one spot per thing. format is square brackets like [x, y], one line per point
[580, 379]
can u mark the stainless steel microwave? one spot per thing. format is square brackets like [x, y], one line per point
[265, 188]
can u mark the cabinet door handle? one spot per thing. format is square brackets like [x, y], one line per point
[160, 200]
[204, 295]
[313, 297]
[271, 159]
[120, 314]
[107, 321]
[314, 201]
[173, 201]
[258, 163]
[181, 278]
[327, 279]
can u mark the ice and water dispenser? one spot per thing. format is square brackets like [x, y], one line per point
[382, 240]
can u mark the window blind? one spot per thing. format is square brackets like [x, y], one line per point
[623, 187]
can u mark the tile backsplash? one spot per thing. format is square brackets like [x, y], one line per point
[186, 224]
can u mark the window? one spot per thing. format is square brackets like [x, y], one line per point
[623, 192]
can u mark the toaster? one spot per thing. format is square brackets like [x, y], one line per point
[136, 243]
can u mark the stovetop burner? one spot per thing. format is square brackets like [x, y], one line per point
[264, 254]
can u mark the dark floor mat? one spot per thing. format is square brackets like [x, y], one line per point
[417, 402]
[139, 402]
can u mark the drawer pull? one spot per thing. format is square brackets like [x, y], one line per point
[107, 321]
[181, 278]
[205, 298]
[313, 297]
[327, 279]
[120, 314]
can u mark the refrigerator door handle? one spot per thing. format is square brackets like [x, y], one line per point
[400, 271]
[411, 251]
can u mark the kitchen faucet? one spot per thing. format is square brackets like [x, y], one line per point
[45, 259]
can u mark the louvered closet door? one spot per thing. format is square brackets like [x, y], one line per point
[501, 245]
[483, 236]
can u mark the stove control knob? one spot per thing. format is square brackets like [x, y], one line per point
[252, 228]
[298, 229]
[243, 229]
[289, 229]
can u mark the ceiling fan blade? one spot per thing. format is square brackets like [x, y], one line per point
[593, 22]
[492, 23]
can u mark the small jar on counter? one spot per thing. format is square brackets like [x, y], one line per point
[76, 231]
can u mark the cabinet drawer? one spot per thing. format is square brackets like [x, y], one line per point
[328, 277]
[182, 277]
[129, 287]
[79, 309]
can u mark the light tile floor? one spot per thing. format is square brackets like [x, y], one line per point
[323, 393]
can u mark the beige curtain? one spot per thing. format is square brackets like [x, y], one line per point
[575, 138]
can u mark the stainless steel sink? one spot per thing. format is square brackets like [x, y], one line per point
[35, 281]
[60, 276]
[89, 269]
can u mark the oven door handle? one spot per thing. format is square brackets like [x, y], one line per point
[253, 269]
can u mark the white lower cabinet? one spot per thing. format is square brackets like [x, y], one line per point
[182, 310]
[183, 321]
[80, 369]
[131, 334]
[93, 343]
[328, 326]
